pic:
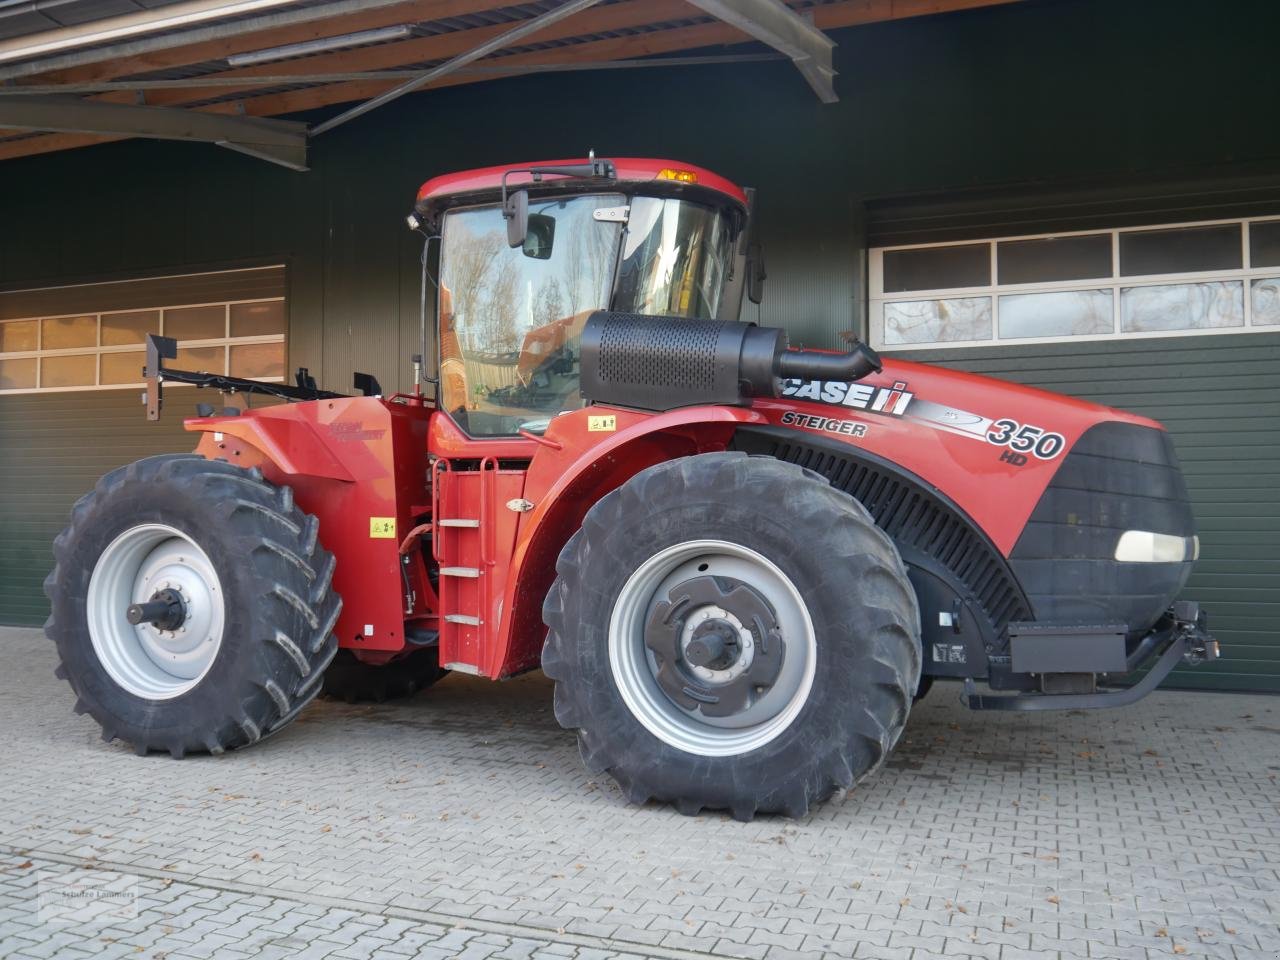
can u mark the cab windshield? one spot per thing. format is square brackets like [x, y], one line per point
[511, 318]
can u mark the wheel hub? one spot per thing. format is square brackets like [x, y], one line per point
[678, 694]
[166, 610]
[155, 611]
[717, 645]
[713, 645]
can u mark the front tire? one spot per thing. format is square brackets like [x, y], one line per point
[730, 632]
[248, 632]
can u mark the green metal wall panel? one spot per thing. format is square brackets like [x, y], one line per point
[1219, 397]
[56, 446]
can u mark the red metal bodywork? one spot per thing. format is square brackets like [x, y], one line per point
[356, 462]
[630, 170]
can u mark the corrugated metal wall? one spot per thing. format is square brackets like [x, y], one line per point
[1219, 396]
[56, 446]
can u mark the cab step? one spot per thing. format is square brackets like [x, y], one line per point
[462, 618]
[458, 522]
[469, 572]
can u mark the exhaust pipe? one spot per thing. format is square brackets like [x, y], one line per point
[662, 363]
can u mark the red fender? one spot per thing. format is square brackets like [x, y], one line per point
[585, 455]
[359, 465]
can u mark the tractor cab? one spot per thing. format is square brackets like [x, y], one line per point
[527, 254]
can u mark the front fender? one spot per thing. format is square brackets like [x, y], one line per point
[584, 456]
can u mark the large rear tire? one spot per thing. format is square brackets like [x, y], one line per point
[247, 627]
[353, 681]
[730, 632]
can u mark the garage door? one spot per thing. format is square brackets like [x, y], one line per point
[1180, 322]
[70, 393]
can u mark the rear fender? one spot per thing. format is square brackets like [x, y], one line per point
[358, 464]
[574, 467]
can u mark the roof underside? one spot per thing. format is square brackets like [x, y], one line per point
[78, 72]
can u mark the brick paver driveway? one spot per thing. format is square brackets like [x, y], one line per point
[461, 823]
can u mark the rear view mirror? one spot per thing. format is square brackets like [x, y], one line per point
[755, 273]
[540, 234]
[516, 212]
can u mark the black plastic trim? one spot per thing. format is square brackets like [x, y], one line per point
[936, 538]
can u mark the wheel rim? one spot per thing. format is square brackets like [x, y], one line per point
[144, 659]
[657, 597]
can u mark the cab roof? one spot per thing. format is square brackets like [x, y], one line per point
[630, 170]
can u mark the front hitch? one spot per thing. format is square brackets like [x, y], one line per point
[1180, 635]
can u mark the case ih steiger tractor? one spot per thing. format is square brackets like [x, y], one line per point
[740, 563]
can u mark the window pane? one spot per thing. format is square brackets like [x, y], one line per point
[18, 374]
[257, 360]
[123, 367]
[201, 359]
[1264, 244]
[119, 329]
[1071, 313]
[1182, 306]
[1266, 302]
[79, 370]
[196, 323]
[63, 332]
[511, 318]
[937, 321]
[257, 319]
[1055, 258]
[1180, 251]
[18, 335]
[934, 268]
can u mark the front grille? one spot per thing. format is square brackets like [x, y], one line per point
[1117, 477]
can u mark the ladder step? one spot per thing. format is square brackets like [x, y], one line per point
[471, 572]
[462, 618]
[458, 522]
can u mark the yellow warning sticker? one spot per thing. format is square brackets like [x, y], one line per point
[602, 424]
[382, 528]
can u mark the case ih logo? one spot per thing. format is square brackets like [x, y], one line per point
[892, 400]
[347, 431]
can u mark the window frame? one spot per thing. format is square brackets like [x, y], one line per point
[226, 342]
[1115, 284]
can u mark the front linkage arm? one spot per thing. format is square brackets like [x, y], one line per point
[1182, 633]
[155, 373]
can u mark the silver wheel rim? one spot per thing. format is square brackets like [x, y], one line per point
[634, 667]
[147, 661]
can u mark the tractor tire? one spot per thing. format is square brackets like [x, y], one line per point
[729, 632]
[245, 644]
[351, 680]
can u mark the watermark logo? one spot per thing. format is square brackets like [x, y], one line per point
[86, 896]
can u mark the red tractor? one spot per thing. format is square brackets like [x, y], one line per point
[740, 563]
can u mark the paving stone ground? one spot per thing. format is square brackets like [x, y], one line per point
[461, 823]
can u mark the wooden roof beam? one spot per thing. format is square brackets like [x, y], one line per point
[363, 16]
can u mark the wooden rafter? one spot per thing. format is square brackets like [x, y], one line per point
[630, 13]
[412, 11]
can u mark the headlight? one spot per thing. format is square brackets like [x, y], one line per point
[1143, 546]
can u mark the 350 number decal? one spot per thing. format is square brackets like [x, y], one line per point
[1024, 438]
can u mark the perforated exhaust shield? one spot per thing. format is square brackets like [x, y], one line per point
[661, 363]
